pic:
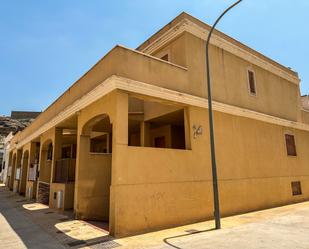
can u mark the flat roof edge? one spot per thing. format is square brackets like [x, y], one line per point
[182, 16]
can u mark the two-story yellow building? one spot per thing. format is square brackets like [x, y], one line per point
[128, 143]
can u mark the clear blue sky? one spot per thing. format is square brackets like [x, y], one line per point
[47, 45]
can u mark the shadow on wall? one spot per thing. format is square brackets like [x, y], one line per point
[26, 218]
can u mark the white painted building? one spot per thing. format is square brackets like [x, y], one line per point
[5, 162]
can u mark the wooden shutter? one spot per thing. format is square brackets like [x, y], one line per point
[296, 188]
[290, 145]
[251, 82]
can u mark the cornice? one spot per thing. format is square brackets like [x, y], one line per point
[137, 87]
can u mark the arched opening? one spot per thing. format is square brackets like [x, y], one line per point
[95, 168]
[45, 172]
[9, 169]
[46, 161]
[17, 172]
[24, 166]
[32, 181]
[99, 130]
[64, 163]
[11, 172]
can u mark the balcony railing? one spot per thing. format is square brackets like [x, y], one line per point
[65, 170]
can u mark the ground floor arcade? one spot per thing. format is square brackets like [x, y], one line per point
[133, 155]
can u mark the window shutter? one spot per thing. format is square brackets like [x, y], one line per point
[290, 145]
[296, 188]
[251, 82]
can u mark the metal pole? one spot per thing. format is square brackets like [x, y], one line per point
[211, 129]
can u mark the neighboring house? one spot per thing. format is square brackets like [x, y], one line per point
[8, 127]
[1, 156]
[128, 143]
[24, 115]
[6, 171]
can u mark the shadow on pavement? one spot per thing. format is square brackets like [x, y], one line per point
[189, 232]
[37, 225]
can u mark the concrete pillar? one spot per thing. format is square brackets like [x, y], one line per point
[8, 164]
[187, 128]
[31, 161]
[83, 145]
[17, 165]
[57, 151]
[145, 134]
[120, 121]
[42, 160]
[120, 137]
[24, 171]
[12, 165]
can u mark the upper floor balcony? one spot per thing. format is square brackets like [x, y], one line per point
[135, 65]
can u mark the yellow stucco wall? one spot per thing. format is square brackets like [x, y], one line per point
[166, 187]
[67, 198]
[275, 95]
[305, 116]
[24, 171]
[93, 171]
[46, 165]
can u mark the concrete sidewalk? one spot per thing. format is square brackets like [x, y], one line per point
[26, 224]
[18, 230]
[284, 227]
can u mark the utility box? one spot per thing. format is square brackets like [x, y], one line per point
[59, 199]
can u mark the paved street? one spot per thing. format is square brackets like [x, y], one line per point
[289, 231]
[18, 230]
[31, 225]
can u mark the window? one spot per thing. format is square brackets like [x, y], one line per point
[296, 188]
[290, 145]
[165, 57]
[251, 82]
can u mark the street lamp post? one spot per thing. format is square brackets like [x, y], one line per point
[211, 129]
